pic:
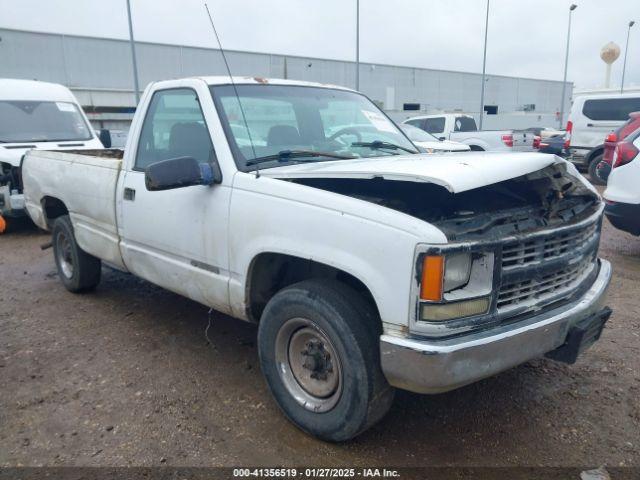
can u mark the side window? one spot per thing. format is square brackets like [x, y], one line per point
[610, 108]
[418, 123]
[434, 125]
[173, 127]
[464, 124]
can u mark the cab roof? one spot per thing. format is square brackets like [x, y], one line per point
[34, 90]
[226, 80]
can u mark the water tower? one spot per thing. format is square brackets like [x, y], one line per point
[609, 54]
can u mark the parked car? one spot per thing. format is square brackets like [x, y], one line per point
[367, 266]
[463, 129]
[591, 119]
[622, 194]
[36, 115]
[427, 143]
[604, 167]
[545, 132]
[553, 145]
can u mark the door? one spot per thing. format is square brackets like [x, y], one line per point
[176, 238]
[599, 117]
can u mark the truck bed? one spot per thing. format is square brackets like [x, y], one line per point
[85, 182]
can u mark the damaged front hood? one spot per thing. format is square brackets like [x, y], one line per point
[455, 172]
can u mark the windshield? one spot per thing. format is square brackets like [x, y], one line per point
[34, 121]
[416, 134]
[290, 119]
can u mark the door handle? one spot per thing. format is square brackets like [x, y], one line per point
[129, 194]
[589, 124]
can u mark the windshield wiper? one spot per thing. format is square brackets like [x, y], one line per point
[286, 155]
[378, 144]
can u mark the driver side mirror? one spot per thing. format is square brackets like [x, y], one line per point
[179, 172]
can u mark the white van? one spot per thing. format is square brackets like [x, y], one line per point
[36, 115]
[591, 119]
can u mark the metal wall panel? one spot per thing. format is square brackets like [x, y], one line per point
[34, 56]
[157, 62]
[200, 62]
[96, 63]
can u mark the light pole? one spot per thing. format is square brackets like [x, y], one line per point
[133, 54]
[624, 65]
[566, 63]
[484, 66]
[358, 45]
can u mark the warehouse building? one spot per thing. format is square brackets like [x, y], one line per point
[99, 71]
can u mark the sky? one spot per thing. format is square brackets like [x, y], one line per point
[526, 37]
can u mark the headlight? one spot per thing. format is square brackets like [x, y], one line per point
[444, 273]
[455, 285]
[457, 268]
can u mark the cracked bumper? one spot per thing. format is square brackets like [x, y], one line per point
[433, 366]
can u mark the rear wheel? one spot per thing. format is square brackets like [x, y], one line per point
[77, 270]
[593, 175]
[319, 352]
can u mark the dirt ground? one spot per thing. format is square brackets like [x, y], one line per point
[124, 376]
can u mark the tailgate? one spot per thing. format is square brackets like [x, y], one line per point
[523, 141]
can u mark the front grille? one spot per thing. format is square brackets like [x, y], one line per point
[527, 281]
[550, 287]
[522, 253]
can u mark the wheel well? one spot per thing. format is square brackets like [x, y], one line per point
[53, 208]
[595, 152]
[476, 148]
[271, 272]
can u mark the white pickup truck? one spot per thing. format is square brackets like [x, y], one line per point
[365, 267]
[462, 128]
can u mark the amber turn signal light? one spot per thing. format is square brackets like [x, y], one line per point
[432, 278]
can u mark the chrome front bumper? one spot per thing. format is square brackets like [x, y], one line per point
[433, 366]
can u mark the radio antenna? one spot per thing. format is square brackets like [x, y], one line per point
[235, 89]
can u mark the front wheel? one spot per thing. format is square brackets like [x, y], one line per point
[77, 270]
[319, 352]
[593, 171]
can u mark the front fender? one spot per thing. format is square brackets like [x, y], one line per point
[335, 234]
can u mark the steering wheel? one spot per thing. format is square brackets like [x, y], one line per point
[347, 131]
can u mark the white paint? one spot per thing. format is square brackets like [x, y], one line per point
[457, 173]
[623, 181]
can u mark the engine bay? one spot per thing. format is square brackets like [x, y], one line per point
[541, 199]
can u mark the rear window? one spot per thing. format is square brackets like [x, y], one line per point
[616, 109]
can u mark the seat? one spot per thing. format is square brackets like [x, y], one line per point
[283, 135]
[190, 139]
